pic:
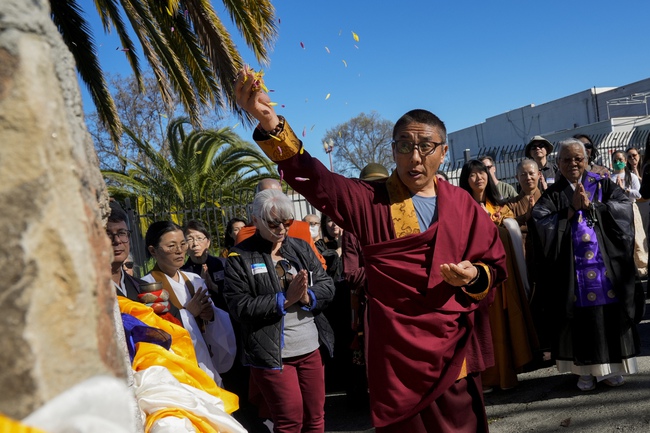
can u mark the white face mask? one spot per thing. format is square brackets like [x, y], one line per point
[314, 231]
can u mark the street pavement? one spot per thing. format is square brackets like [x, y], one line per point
[544, 402]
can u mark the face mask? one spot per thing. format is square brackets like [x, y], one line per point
[619, 165]
[314, 231]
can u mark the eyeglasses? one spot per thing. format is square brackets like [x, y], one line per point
[632, 155]
[425, 148]
[172, 248]
[123, 236]
[196, 240]
[570, 160]
[128, 265]
[282, 268]
[488, 166]
[589, 146]
[536, 146]
[275, 224]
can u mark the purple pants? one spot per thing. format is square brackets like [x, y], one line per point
[295, 395]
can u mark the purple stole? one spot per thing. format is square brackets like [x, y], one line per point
[593, 285]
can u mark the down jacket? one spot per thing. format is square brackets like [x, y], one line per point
[252, 297]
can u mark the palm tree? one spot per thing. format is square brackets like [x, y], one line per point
[184, 42]
[198, 161]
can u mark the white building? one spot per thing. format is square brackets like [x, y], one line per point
[615, 117]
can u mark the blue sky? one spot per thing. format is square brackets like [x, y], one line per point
[464, 60]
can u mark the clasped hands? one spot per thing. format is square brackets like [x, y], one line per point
[580, 198]
[459, 275]
[297, 291]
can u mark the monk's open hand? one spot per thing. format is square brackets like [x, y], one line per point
[253, 100]
[458, 275]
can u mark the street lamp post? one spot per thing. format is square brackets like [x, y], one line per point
[329, 147]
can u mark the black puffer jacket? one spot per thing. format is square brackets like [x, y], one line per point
[251, 297]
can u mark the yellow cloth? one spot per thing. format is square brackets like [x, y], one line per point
[180, 360]
[8, 425]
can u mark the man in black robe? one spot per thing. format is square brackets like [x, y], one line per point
[583, 228]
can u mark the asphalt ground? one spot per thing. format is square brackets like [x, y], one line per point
[544, 402]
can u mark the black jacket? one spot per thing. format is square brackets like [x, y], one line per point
[252, 297]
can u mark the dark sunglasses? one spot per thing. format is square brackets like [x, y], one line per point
[275, 224]
[282, 268]
[128, 265]
[536, 146]
[589, 146]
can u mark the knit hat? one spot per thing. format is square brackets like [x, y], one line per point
[373, 171]
[538, 138]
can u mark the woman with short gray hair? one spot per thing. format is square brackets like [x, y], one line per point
[277, 289]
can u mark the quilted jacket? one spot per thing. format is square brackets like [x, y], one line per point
[252, 297]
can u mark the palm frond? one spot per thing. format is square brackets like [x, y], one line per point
[67, 16]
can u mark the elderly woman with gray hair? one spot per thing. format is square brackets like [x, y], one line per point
[276, 288]
[584, 232]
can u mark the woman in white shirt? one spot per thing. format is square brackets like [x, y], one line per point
[209, 326]
[629, 182]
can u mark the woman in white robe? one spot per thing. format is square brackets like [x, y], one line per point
[210, 327]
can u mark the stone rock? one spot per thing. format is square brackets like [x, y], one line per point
[56, 299]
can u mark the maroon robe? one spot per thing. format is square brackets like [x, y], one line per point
[421, 328]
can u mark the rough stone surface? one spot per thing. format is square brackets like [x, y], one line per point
[56, 299]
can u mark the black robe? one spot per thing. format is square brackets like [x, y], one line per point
[588, 335]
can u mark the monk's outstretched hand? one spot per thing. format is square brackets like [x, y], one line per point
[460, 274]
[252, 99]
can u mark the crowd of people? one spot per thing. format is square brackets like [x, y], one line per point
[413, 295]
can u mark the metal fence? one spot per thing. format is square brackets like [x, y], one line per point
[212, 209]
[507, 157]
[215, 211]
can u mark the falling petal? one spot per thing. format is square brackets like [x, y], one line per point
[271, 90]
[236, 125]
[172, 30]
[280, 150]
[328, 96]
[282, 105]
[355, 36]
[324, 207]
[270, 104]
[274, 137]
[312, 127]
[124, 49]
[327, 49]
[302, 179]
[198, 152]
[279, 21]
[340, 136]
[302, 150]
[340, 32]
[163, 115]
[281, 175]
[186, 12]
[355, 46]
[302, 45]
[117, 48]
[168, 10]
[304, 131]
[345, 63]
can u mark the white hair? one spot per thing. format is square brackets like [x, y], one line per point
[272, 204]
[571, 142]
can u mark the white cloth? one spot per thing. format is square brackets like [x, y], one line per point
[99, 404]
[156, 389]
[219, 335]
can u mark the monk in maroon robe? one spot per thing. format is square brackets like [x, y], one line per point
[432, 257]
